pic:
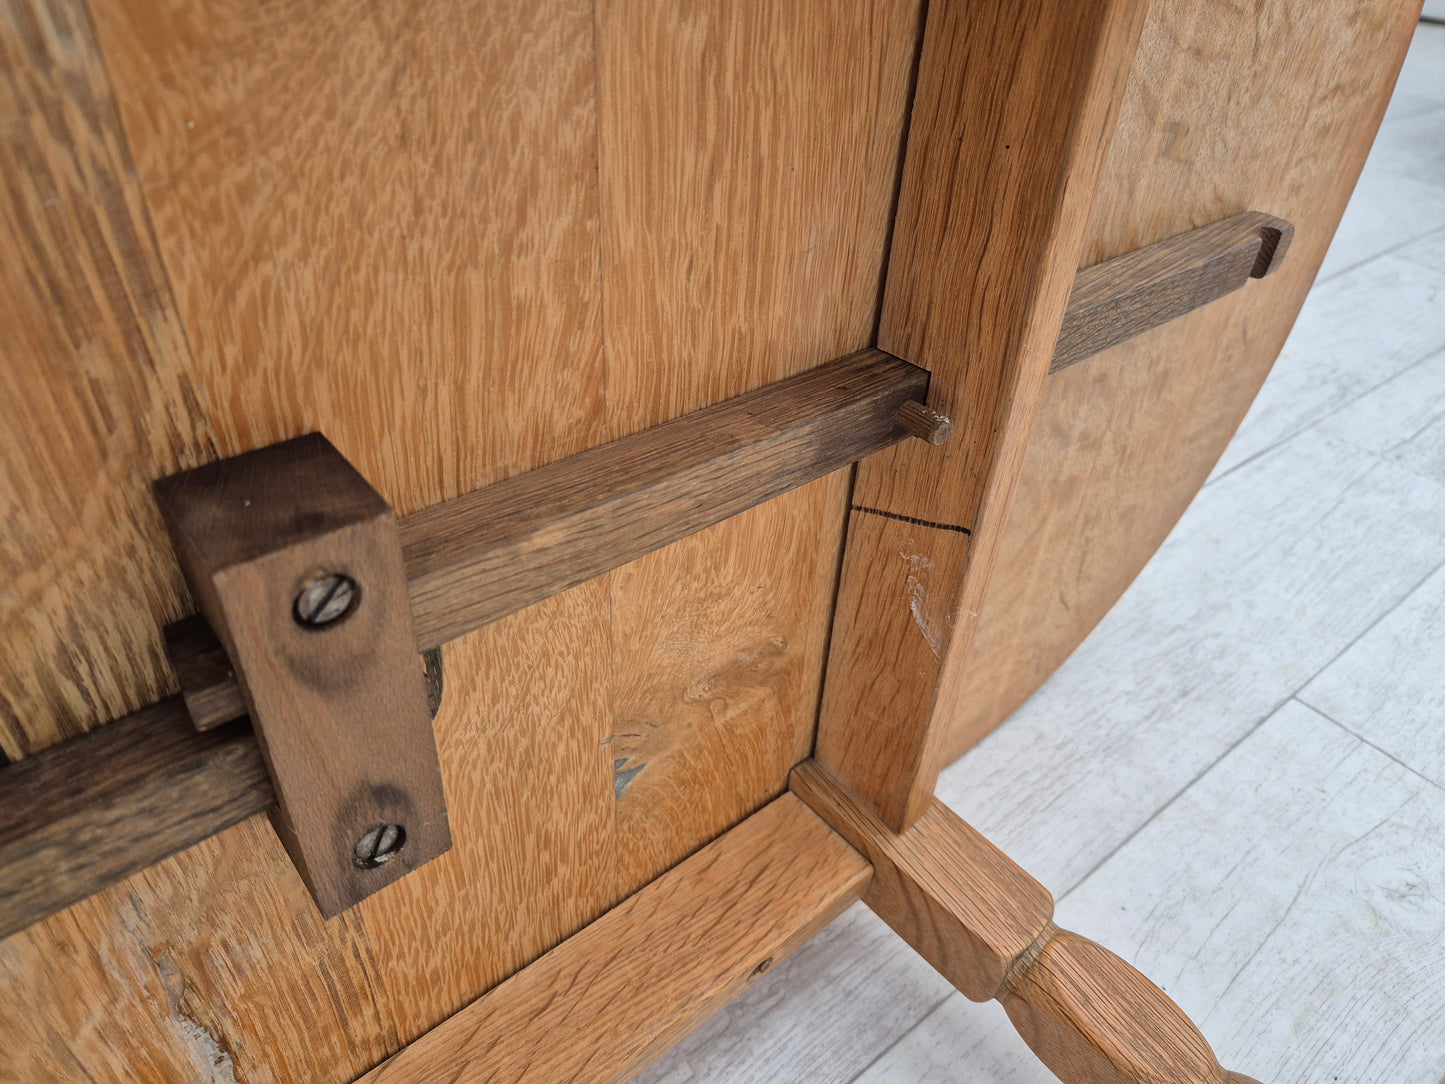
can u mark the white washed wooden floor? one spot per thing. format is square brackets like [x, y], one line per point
[1238, 781]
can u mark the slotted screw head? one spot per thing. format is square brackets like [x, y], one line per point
[379, 846]
[325, 600]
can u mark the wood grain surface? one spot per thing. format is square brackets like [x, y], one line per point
[589, 513]
[1124, 441]
[464, 242]
[987, 926]
[97, 390]
[384, 227]
[610, 999]
[747, 188]
[959, 902]
[149, 771]
[984, 250]
[481, 556]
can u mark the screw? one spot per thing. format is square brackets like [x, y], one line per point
[379, 846]
[325, 600]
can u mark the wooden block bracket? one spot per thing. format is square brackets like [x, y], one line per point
[466, 562]
[296, 562]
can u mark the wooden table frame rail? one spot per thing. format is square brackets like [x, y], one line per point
[634, 982]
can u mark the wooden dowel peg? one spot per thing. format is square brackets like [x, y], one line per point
[924, 422]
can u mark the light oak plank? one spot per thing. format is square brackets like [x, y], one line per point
[606, 1002]
[747, 167]
[97, 390]
[333, 194]
[1011, 118]
[1123, 443]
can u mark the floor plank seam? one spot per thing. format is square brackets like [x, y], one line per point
[1366, 741]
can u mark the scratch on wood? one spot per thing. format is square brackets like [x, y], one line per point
[918, 569]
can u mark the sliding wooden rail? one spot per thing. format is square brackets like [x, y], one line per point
[1126, 296]
[84, 814]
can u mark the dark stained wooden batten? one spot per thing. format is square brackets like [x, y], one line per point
[81, 815]
[489, 553]
[1126, 296]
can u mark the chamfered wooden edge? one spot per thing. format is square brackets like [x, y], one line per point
[790, 433]
[339, 706]
[489, 553]
[1126, 296]
[609, 1000]
[987, 926]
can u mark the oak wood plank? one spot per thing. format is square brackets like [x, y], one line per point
[987, 927]
[1123, 444]
[97, 390]
[1131, 294]
[747, 168]
[1013, 112]
[959, 902]
[606, 1002]
[379, 223]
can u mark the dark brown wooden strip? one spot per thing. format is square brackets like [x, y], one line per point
[1123, 297]
[489, 553]
[209, 687]
[81, 815]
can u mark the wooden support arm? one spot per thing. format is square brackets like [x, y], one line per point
[987, 926]
[1126, 296]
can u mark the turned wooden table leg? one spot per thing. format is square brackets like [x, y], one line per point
[987, 926]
